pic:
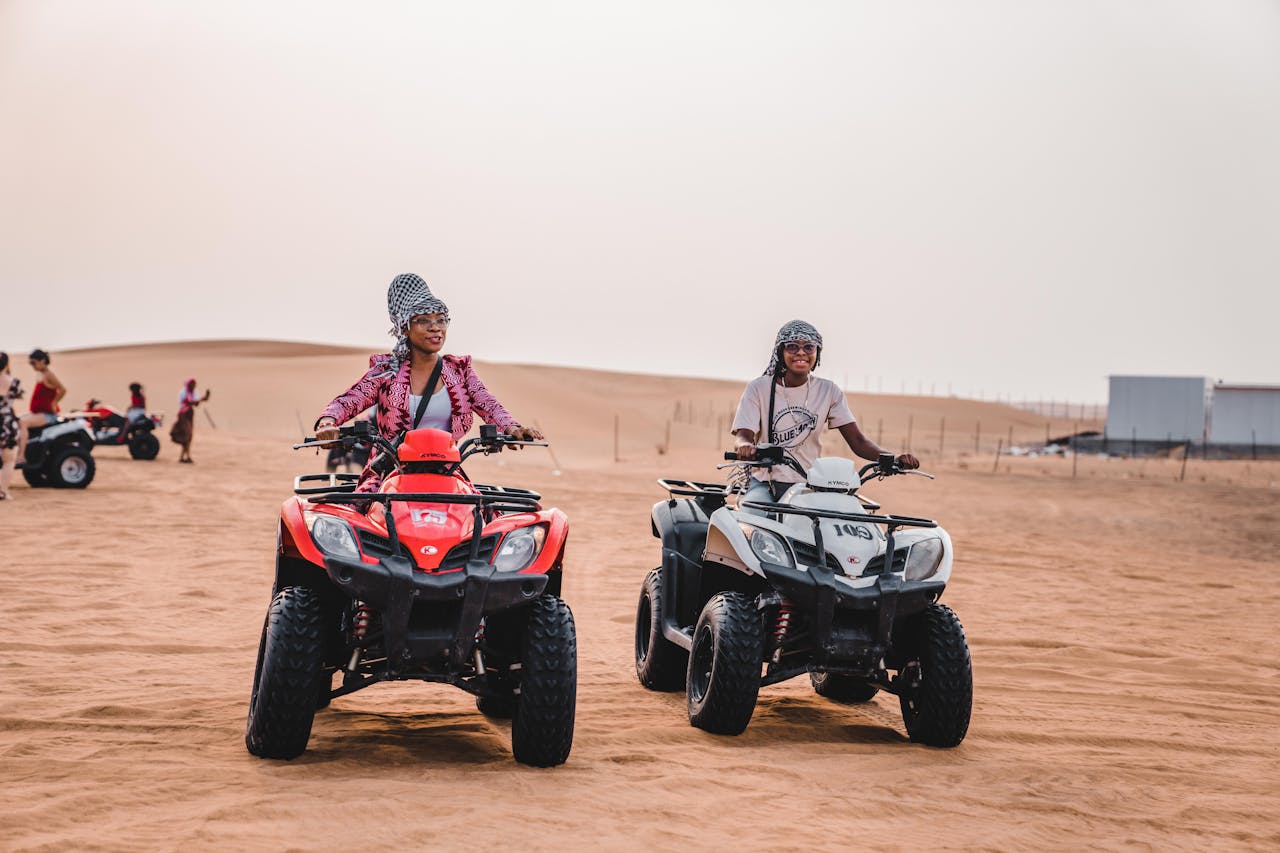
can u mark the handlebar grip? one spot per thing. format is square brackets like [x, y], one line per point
[730, 456]
[382, 464]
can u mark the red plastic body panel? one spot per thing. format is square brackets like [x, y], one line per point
[428, 445]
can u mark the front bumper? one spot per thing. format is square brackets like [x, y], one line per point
[852, 627]
[430, 618]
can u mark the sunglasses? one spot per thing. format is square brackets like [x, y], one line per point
[429, 322]
[806, 348]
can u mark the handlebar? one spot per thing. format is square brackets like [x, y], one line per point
[887, 466]
[767, 455]
[362, 432]
[491, 441]
[771, 454]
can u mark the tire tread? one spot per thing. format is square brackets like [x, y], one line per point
[542, 729]
[665, 667]
[730, 698]
[283, 705]
[945, 697]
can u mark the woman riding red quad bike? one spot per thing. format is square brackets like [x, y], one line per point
[431, 578]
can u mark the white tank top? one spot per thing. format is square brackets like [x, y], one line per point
[439, 411]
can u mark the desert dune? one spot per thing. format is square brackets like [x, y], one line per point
[1121, 621]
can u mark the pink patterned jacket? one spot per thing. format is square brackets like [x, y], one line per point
[467, 396]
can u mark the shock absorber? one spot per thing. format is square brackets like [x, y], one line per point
[359, 630]
[477, 657]
[780, 627]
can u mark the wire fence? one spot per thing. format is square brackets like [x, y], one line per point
[1067, 440]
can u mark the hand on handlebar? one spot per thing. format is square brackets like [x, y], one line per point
[524, 433]
[907, 462]
[746, 451]
[328, 433]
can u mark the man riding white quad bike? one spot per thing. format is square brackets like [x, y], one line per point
[430, 578]
[817, 582]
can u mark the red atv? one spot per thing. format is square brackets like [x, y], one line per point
[111, 427]
[432, 578]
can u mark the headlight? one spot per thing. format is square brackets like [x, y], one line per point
[769, 547]
[519, 548]
[331, 535]
[923, 559]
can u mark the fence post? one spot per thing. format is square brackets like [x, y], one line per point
[1186, 451]
[1075, 449]
[1011, 436]
[999, 445]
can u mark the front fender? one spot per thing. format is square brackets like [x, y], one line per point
[727, 544]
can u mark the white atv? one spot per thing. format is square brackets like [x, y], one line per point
[747, 599]
[60, 455]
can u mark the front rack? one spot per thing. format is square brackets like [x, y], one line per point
[333, 483]
[481, 502]
[891, 522]
[695, 489]
[504, 503]
[505, 491]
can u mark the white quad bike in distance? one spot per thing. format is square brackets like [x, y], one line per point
[745, 600]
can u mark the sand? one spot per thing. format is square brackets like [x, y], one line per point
[1122, 626]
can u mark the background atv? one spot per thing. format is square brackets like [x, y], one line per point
[432, 578]
[60, 455]
[112, 428]
[819, 582]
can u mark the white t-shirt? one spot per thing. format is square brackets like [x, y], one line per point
[439, 411]
[797, 414]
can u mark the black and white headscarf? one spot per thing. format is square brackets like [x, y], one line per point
[796, 331]
[407, 297]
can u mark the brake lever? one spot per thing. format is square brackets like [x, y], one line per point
[746, 463]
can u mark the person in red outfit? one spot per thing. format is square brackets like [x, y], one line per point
[137, 403]
[44, 400]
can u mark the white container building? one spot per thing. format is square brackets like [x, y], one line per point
[1245, 415]
[1158, 408]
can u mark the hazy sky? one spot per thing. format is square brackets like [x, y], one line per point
[1019, 197]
